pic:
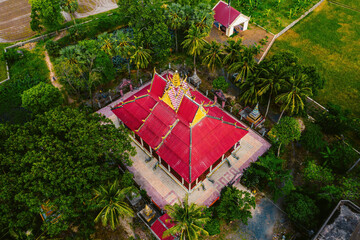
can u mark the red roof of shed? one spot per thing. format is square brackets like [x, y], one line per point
[225, 14]
[188, 150]
[160, 226]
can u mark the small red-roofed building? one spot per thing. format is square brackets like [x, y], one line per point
[185, 131]
[229, 18]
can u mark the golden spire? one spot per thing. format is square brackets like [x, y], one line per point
[176, 81]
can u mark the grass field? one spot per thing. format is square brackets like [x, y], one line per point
[329, 39]
[3, 74]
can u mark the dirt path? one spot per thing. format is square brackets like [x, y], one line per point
[53, 76]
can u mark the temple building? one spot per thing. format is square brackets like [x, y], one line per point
[186, 132]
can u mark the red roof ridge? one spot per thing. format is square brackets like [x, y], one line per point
[132, 100]
[167, 134]
[144, 120]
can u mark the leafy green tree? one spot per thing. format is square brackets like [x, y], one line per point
[177, 17]
[59, 156]
[302, 209]
[111, 200]
[53, 48]
[339, 157]
[293, 97]
[141, 58]
[203, 17]
[107, 43]
[212, 56]
[232, 50]
[41, 98]
[235, 204]
[194, 42]
[269, 172]
[250, 89]
[271, 83]
[124, 46]
[245, 63]
[312, 138]
[317, 174]
[189, 219]
[220, 83]
[335, 121]
[70, 6]
[285, 132]
[45, 13]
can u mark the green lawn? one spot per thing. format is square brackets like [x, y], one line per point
[3, 74]
[329, 39]
[351, 3]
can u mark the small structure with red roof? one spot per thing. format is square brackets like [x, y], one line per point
[187, 134]
[229, 18]
[161, 225]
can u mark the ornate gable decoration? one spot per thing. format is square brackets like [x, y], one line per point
[175, 90]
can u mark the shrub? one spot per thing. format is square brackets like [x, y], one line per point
[12, 55]
[318, 174]
[335, 121]
[127, 179]
[213, 226]
[312, 139]
[220, 83]
[339, 157]
[302, 209]
[41, 98]
[53, 48]
[235, 204]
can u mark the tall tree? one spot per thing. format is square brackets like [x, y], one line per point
[189, 220]
[250, 89]
[272, 81]
[293, 97]
[124, 47]
[141, 58]
[244, 64]
[177, 17]
[111, 199]
[232, 51]
[212, 56]
[107, 43]
[59, 156]
[45, 14]
[70, 6]
[194, 42]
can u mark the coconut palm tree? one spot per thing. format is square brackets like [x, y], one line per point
[195, 42]
[212, 55]
[244, 64]
[250, 89]
[232, 51]
[293, 98]
[272, 81]
[189, 220]
[141, 57]
[124, 47]
[107, 43]
[110, 199]
[176, 16]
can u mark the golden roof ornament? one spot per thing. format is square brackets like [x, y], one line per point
[176, 81]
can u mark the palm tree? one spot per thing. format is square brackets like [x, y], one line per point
[194, 42]
[107, 43]
[272, 82]
[189, 220]
[177, 18]
[212, 57]
[232, 51]
[110, 199]
[293, 98]
[124, 46]
[244, 64]
[141, 58]
[250, 89]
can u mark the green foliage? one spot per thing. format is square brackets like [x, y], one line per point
[212, 56]
[45, 14]
[220, 83]
[12, 55]
[127, 179]
[194, 42]
[285, 132]
[339, 157]
[188, 218]
[213, 226]
[41, 98]
[245, 63]
[25, 73]
[235, 204]
[268, 172]
[301, 209]
[111, 200]
[335, 121]
[59, 156]
[53, 48]
[317, 174]
[312, 138]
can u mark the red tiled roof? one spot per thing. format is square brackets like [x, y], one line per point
[178, 144]
[158, 228]
[225, 14]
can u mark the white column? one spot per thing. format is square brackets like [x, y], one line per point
[222, 157]
[229, 31]
[150, 150]
[142, 143]
[168, 167]
[211, 168]
[246, 25]
[159, 160]
[197, 181]
[189, 186]
[182, 181]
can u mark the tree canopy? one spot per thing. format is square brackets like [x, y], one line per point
[59, 157]
[45, 14]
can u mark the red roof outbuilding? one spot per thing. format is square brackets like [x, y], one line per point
[225, 14]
